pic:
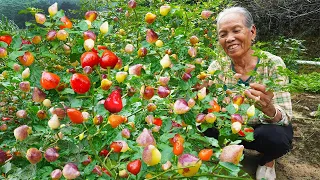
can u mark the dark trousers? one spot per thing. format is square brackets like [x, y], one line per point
[273, 141]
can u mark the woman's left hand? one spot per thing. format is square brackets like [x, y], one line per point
[262, 97]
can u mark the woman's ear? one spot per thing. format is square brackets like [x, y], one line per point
[253, 31]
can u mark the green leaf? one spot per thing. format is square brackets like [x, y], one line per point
[24, 11]
[83, 25]
[236, 142]
[232, 168]
[39, 128]
[16, 42]
[249, 136]
[231, 109]
[3, 44]
[179, 31]
[47, 24]
[101, 110]
[166, 126]
[28, 24]
[89, 168]
[67, 91]
[166, 153]
[10, 64]
[6, 168]
[214, 142]
[203, 127]
[189, 117]
[183, 85]
[59, 14]
[8, 85]
[164, 137]
[76, 102]
[15, 54]
[44, 171]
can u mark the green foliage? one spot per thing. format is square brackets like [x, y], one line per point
[302, 82]
[288, 49]
[7, 25]
[15, 10]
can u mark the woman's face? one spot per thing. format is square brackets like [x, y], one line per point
[234, 36]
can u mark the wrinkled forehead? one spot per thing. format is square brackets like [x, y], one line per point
[231, 18]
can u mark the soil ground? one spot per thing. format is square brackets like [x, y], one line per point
[303, 161]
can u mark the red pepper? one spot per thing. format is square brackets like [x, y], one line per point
[75, 116]
[134, 166]
[6, 118]
[66, 23]
[106, 171]
[116, 146]
[241, 133]
[114, 103]
[80, 83]
[248, 129]
[157, 121]
[101, 47]
[49, 80]
[6, 38]
[108, 59]
[104, 152]
[178, 148]
[25, 41]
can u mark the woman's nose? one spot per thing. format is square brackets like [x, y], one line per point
[230, 39]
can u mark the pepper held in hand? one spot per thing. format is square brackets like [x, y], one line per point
[114, 103]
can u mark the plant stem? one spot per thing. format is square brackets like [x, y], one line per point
[215, 167]
[187, 22]
[136, 17]
[98, 132]
[134, 113]
[174, 169]
[93, 113]
[97, 157]
[215, 175]
[82, 97]
[12, 92]
[108, 72]
[104, 160]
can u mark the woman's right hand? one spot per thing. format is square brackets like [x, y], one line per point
[263, 99]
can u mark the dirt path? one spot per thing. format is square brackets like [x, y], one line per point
[303, 162]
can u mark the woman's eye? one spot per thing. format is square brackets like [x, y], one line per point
[222, 35]
[236, 31]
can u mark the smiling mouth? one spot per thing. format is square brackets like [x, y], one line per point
[232, 47]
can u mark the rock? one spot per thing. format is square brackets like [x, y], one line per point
[313, 114]
[306, 108]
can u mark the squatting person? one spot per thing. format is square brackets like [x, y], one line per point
[273, 134]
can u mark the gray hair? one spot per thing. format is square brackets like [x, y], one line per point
[240, 10]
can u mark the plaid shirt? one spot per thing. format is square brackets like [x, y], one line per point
[267, 70]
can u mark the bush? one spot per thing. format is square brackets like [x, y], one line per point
[293, 19]
[286, 17]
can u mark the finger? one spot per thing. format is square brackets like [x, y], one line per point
[265, 97]
[259, 87]
[256, 92]
[269, 94]
[249, 94]
[257, 96]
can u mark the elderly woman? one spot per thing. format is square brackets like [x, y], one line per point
[273, 135]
